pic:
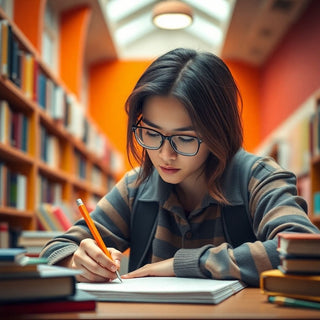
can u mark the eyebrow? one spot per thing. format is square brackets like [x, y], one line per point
[149, 123]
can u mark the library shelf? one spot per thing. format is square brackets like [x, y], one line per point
[43, 158]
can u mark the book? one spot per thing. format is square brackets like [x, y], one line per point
[81, 301]
[4, 46]
[299, 244]
[36, 238]
[61, 217]
[4, 230]
[5, 122]
[49, 282]
[292, 264]
[164, 290]
[12, 255]
[276, 283]
[296, 303]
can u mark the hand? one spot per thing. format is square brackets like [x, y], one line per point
[160, 269]
[96, 266]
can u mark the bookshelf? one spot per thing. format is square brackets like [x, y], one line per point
[295, 145]
[50, 150]
[315, 160]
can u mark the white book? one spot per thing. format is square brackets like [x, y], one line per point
[5, 122]
[21, 192]
[58, 106]
[164, 290]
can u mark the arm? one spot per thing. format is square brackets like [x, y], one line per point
[77, 249]
[274, 207]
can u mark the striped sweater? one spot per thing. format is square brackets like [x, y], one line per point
[197, 240]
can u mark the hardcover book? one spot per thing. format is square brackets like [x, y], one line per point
[49, 282]
[299, 244]
[275, 283]
[81, 301]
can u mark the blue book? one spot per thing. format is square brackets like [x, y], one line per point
[13, 255]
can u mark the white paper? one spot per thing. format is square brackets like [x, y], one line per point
[164, 289]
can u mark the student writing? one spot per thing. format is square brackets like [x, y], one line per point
[184, 129]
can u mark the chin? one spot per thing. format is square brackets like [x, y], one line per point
[170, 179]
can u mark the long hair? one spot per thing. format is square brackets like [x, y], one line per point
[202, 82]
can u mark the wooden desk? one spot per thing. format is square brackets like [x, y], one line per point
[247, 304]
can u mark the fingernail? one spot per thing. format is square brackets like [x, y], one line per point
[113, 268]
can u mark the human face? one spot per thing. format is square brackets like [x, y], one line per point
[167, 115]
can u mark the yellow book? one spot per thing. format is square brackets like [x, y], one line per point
[4, 47]
[28, 75]
[275, 283]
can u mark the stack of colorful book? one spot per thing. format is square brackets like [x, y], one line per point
[297, 280]
[29, 285]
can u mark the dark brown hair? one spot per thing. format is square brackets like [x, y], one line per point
[202, 82]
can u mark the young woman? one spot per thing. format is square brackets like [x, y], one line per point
[198, 205]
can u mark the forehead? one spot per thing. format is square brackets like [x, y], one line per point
[166, 112]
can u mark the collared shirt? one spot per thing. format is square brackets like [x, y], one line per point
[197, 240]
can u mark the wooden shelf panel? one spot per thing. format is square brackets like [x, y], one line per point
[15, 156]
[8, 211]
[10, 92]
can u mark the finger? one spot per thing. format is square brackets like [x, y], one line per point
[89, 277]
[116, 256]
[92, 276]
[95, 253]
[144, 271]
[90, 268]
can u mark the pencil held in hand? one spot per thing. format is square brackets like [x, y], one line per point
[94, 231]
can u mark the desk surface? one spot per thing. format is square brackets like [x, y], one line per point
[246, 304]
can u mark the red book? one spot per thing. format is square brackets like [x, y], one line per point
[299, 244]
[81, 301]
[61, 217]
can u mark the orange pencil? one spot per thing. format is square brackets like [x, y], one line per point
[94, 231]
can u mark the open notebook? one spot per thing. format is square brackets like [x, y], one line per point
[164, 289]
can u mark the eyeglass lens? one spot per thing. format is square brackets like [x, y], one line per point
[152, 139]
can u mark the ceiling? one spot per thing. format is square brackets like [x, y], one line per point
[247, 30]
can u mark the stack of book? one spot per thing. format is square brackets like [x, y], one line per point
[298, 275]
[34, 240]
[29, 285]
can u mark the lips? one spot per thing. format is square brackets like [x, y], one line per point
[169, 170]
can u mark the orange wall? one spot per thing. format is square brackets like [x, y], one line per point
[110, 85]
[292, 73]
[29, 15]
[74, 26]
[112, 82]
[247, 78]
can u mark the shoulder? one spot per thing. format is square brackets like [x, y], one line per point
[246, 170]
[246, 163]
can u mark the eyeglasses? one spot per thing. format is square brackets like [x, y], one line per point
[153, 140]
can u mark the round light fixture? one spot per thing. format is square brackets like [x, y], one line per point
[172, 15]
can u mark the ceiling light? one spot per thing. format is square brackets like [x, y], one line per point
[172, 15]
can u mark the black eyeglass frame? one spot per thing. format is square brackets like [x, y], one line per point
[163, 138]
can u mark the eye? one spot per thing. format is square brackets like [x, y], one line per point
[152, 134]
[186, 139]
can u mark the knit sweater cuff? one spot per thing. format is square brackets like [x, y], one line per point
[187, 262]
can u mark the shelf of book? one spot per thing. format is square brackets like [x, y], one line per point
[50, 151]
[295, 145]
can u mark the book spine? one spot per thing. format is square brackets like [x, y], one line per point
[4, 70]
[62, 218]
[4, 235]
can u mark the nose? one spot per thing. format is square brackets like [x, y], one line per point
[166, 151]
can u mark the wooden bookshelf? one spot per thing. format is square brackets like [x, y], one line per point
[296, 147]
[56, 155]
[315, 160]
